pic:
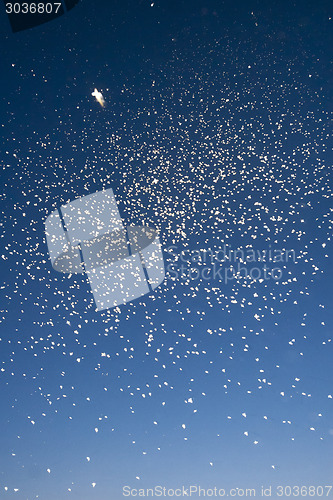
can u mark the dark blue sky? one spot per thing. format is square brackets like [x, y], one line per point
[217, 131]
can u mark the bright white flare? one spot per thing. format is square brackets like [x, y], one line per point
[99, 97]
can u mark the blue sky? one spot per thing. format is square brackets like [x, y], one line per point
[216, 131]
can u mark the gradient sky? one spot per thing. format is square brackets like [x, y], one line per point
[217, 131]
